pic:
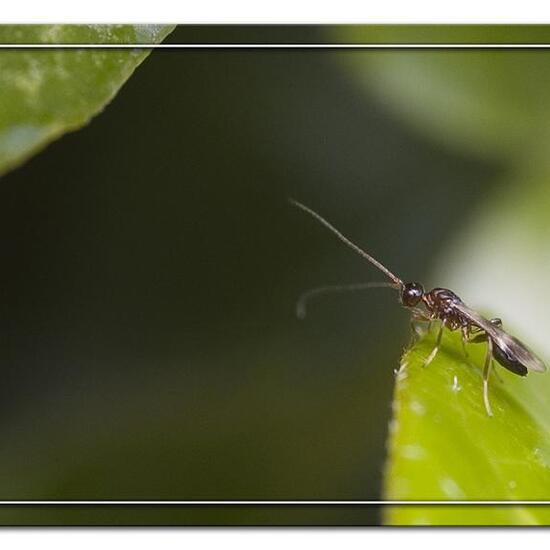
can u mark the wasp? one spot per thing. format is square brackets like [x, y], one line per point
[443, 305]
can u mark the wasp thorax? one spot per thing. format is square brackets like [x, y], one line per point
[411, 294]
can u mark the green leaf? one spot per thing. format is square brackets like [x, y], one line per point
[444, 446]
[48, 92]
[486, 102]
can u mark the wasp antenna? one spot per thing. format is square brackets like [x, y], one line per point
[306, 296]
[346, 241]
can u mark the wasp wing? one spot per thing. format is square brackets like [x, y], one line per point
[514, 350]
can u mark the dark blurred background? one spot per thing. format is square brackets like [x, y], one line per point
[150, 268]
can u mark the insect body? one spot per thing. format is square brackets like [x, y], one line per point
[441, 304]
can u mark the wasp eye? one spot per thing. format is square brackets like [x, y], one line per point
[411, 294]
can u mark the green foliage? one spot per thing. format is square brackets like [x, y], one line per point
[487, 102]
[444, 446]
[46, 93]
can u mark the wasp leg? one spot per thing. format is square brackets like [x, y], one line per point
[483, 337]
[430, 357]
[478, 338]
[497, 322]
[417, 316]
[486, 372]
[464, 340]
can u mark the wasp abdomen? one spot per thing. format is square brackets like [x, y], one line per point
[508, 361]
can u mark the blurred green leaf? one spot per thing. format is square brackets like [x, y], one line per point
[444, 446]
[499, 258]
[486, 102]
[46, 93]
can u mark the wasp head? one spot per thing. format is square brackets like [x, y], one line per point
[411, 294]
